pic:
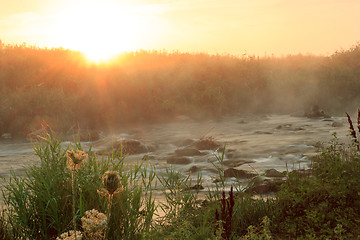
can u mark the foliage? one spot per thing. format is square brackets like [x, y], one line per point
[6, 229]
[313, 207]
[250, 212]
[188, 218]
[40, 204]
[224, 218]
[180, 198]
[59, 87]
[262, 232]
[323, 205]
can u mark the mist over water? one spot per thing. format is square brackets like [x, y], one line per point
[59, 88]
[256, 107]
[253, 144]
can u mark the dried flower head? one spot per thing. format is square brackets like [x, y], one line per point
[70, 235]
[94, 224]
[75, 159]
[111, 181]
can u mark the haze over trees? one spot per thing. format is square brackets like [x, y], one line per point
[60, 87]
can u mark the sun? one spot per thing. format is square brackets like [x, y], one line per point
[101, 30]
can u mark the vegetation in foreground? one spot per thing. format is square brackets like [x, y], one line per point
[106, 199]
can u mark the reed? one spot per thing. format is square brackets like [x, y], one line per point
[352, 130]
[224, 218]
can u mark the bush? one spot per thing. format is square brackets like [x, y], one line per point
[323, 205]
[314, 206]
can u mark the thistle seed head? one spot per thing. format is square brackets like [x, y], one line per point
[75, 159]
[111, 181]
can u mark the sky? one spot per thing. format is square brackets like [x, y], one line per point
[236, 27]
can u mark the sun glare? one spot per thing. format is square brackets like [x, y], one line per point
[101, 30]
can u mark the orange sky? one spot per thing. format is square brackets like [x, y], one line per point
[237, 27]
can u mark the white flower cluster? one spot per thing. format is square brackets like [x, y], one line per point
[70, 235]
[94, 224]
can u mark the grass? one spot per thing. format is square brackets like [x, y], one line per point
[42, 205]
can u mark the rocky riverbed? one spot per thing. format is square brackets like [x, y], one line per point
[253, 145]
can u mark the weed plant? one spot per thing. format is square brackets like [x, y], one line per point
[317, 206]
[40, 203]
[7, 231]
[251, 212]
[324, 205]
[261, 232]
[224, 215]
[180, 198]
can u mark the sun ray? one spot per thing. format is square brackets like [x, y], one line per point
[101, 31]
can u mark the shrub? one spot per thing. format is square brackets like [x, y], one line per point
[40, 205]
[314, 206]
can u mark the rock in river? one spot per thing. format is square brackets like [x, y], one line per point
[273, 173]
[188, 152]
[129, 147]
[178, 160]
[232, 172]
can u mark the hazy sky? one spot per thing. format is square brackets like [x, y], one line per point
[254, 27]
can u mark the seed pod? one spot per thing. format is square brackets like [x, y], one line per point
[111, 181]
[75, 159]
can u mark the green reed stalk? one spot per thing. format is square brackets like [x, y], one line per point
[73, 199]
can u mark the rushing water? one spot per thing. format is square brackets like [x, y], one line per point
[253, 143]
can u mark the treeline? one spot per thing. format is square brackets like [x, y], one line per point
[60, 87]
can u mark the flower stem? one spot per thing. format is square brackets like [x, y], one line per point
[111, 196]
[73, 199]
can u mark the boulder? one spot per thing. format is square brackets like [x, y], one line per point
[316, 112]
[193, 169]
[184, 143]
[235, 163]
[207, 143]
[178, 160]
[273, 173]
[232, 172]
[197, 187]
[188, 152]
[128, 147]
